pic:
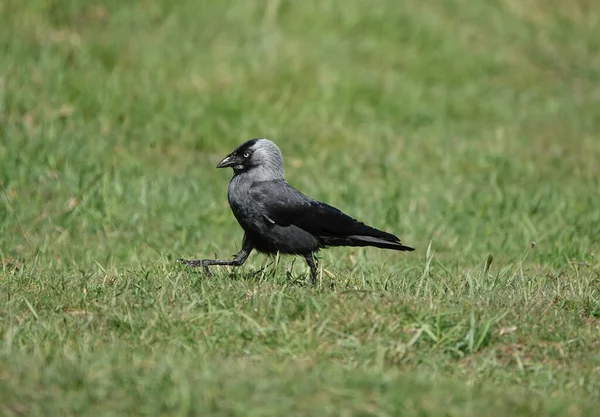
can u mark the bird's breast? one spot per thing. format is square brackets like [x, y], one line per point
[240, 201]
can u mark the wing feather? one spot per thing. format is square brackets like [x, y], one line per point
[284, 205]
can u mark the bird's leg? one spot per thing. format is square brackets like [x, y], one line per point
[312, 264]
[237, 260]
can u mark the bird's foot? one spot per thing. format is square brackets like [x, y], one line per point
[195, 263]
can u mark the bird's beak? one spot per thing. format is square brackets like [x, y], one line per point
[228, 161]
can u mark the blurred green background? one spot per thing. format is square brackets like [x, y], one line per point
[470, 126]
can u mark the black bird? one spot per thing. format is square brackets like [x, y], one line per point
[278, 218]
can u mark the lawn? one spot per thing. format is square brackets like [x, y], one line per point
[471, 129]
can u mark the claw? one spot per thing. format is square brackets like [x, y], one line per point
[194, 263]
[205, 269]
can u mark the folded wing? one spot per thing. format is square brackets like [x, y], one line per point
[283, 205]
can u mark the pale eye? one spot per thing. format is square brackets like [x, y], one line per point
[246, 154]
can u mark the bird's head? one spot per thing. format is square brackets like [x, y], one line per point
[260, 157]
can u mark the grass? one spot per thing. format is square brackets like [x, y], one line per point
[470, 129]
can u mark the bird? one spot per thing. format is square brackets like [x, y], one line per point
[277, 218]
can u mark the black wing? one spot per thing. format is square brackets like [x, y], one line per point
[282, 204]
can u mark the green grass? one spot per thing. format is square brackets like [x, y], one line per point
[467, 128]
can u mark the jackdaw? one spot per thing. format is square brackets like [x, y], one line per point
[278, 218]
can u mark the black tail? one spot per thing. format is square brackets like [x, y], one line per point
[375, 238]
[377, 242]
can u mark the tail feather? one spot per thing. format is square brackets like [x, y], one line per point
[360, 240]
[380, 243]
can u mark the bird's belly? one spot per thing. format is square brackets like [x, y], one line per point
[272, 238]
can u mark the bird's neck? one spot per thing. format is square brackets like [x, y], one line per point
[261, 173]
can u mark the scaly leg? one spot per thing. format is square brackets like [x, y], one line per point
[237, 260]
[312, 264]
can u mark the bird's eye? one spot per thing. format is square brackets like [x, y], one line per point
[246, 154]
